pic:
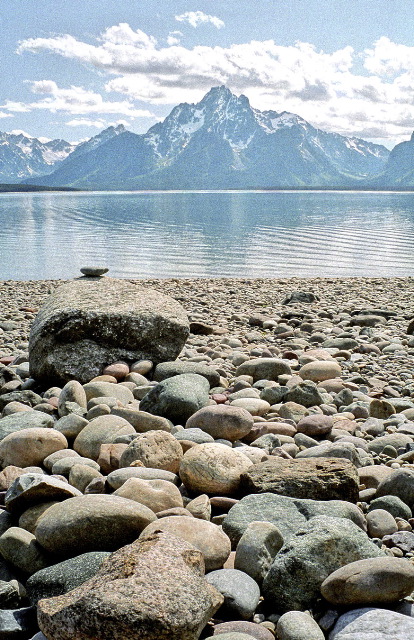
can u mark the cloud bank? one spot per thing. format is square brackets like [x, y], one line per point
[368, 94]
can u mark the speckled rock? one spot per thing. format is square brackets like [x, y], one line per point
[321, 546]
[287, 514]
[152, 589]
[241, 593]
[297, 625]
[177, 398]
[86, 323]
[155, 449]
[313, 478]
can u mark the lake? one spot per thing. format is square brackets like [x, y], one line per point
[207, 234]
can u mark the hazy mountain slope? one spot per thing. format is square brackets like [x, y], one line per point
[221, 142]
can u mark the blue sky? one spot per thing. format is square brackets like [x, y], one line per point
[70, 69]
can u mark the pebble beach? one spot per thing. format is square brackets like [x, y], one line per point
[259, 486]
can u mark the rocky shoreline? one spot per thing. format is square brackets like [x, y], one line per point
[276, 454]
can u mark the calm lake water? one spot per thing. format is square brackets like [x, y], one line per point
[212, 234]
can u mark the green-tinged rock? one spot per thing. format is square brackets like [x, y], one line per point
[287, 514]
[177, 398]
[316, 550]
[64, 576]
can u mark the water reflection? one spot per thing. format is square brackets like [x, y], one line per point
[240, 234]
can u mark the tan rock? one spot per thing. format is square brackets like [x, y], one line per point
[372, 581]
[205, 536]
[157, 495]
[153, 589]
[110, 456]
[320, 370]
[81, 475]
[222, 421]
[102, 430]
[29, 447]
[213, 468]
[155, 449]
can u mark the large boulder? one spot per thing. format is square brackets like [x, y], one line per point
[313, 478]
[90, 322]
[316, 550]
[153, 589]
[287, 514]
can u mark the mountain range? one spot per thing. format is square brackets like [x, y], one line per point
[219, 143]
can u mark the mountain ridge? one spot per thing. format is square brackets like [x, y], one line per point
[222, 142]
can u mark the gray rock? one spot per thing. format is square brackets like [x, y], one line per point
[86, 323]
[372, 624]
[194, 435]
[395, 440]
[321, 546]
[33, 488]
[297, 625]
[117, 478]
[400, 484]
[287, 514]
[177, 398]
[263, 369]
[64, 576]
[241, 593]
[393, 505]
[10, 595]
[241, 630]
[17, 624]
[94, 271]
[153, 589]
[24, 420]
[333, 450]
[166, 370]
[29, 398]
[305, 393]
[257, 548]
[304, 297]
[91, 523]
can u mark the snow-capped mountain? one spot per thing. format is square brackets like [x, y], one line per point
[21, 156]
[221, 142]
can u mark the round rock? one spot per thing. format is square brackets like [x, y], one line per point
[364, 582]
[222, 421]
[205, 536]
[213, 469]
[92, 523]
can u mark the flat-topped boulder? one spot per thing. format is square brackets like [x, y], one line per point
[88, 323]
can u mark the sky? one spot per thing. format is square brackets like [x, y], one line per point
[69, 69]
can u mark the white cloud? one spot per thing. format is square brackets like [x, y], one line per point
[328, 89]
[83, 122]
[195, 18]
[5, 115]
[19, 132]
[75, 101]
[174, 37]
